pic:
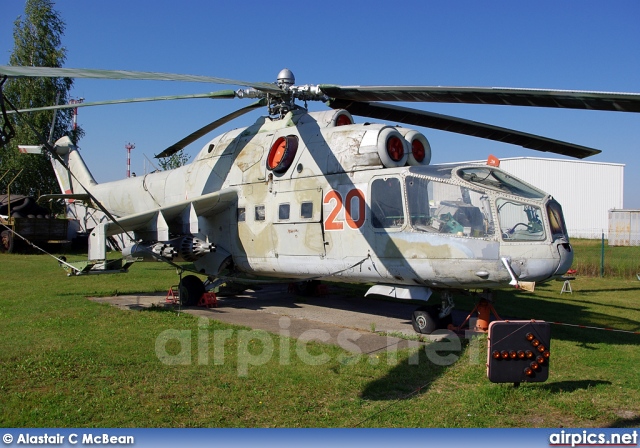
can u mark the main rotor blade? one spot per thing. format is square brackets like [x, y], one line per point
[58, 72]
[222, 94]
[572, 99]
[432, 120]
[208, 128]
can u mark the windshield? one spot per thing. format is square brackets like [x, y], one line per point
[556, 220]
[440, 207]
[499, 180]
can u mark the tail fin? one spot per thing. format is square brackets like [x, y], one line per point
[82, 180]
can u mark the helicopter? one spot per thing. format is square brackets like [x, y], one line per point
[309, 196]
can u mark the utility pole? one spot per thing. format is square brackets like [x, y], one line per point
[75, 111]
[129, 147]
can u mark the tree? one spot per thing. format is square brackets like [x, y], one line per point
[38, 43]
[174, 161]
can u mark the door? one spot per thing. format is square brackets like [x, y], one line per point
[297, 225]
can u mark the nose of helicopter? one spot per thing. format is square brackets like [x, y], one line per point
[540, 264]
[566, 256]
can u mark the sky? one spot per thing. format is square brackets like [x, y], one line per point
[547, 44]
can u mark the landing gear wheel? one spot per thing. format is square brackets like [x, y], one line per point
[425, 320]
[191, 289]
[307, 288]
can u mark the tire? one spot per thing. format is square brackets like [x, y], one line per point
[306, 288]
[425, 320]
[191, 289]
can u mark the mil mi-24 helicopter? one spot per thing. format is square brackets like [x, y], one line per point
[313, 195]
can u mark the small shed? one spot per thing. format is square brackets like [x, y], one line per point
[624, 227]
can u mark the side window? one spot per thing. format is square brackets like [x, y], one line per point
[386, 203]
[241, 214]
[418, 195]
[283, 212]
[440, 207]
[260, 213]
[306, 210]
[519, 221]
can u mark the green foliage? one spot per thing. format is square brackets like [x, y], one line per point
[37, 43]
[174, 161]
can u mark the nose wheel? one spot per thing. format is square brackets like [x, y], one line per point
[427, 319]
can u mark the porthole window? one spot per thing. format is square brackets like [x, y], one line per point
[241, 214]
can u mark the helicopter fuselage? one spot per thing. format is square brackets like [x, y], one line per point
[312, 195]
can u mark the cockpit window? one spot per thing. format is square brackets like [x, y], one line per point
[499, 180]
[520, 222]
[556, 220]
[418, 195]
[386, 203]
[440, 207]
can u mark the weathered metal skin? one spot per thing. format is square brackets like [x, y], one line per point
[317, 218]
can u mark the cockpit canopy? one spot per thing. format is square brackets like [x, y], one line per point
[499, 180]
[478, 201]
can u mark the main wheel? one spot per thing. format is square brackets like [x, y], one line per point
[425, 320]
[306, 288]
[191, 289]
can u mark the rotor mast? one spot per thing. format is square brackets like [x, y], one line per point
[281, 103]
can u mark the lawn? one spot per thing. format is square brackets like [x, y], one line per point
[66, 361]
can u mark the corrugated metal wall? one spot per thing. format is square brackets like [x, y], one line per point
[624, 228]
[586, 190]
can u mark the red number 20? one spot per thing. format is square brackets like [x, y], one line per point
[355, 194]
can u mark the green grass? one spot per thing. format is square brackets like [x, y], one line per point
[623, 262]
[66, 361]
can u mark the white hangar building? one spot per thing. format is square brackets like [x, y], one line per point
[586, 190]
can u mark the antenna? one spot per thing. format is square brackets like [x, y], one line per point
[129, 147]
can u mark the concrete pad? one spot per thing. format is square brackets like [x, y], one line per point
[357, 324]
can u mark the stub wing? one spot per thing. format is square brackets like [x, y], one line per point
[156, 224]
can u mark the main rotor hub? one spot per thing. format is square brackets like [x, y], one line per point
[285, 79]
[281, 103]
